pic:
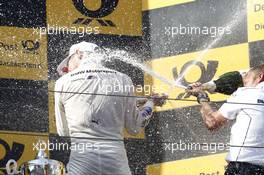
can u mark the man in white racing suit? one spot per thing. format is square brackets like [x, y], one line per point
[93, 105]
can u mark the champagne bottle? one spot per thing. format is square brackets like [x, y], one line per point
[226, 83]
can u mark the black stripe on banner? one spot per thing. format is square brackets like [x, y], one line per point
[23, 13]
[60, 153]
[193, 26]
[59, 44]
[24, 109]
[256, 53]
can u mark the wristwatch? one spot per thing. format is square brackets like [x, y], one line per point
[202, 97]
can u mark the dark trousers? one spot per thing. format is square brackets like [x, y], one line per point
[243, 168]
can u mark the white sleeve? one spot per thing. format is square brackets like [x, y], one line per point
[231, 109]
[60, 117]
[135, 118]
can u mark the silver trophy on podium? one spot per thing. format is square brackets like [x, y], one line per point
[42, 166]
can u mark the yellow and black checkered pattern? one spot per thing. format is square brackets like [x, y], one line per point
[201, 57]
[29, 59]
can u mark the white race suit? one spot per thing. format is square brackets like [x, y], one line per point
[99, 119]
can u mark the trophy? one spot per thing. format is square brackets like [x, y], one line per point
[42, 166]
